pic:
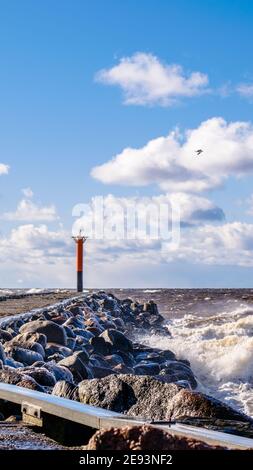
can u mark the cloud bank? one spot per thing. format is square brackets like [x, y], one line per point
[171, 162]
[145, 80]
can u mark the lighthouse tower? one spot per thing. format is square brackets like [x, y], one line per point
[80, 240]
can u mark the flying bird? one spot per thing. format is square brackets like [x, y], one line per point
[199, 151]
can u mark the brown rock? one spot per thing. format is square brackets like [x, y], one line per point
[143, 438]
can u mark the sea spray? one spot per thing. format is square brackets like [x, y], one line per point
[220, 349]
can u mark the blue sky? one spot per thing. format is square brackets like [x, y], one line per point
[58, 122]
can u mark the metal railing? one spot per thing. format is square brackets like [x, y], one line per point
[98, 418]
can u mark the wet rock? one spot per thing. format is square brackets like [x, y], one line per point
[77, 364]
[59, 372]
[147, 397]
[55, 357]
[2, 354]
[60, 319]
[74, 322]
[179, 371]
[71, 343]
[143, 438]
[54, 333]
[147, 369]
[5, 335]
[100, 372]
[194, 404]
[117, 340]
[150, 307]
[23, 355]
[127, 358]
[100, 346]
[84, 333]
[171, 378]
[94, 330]
[168, 355]
[66, 389]
[122, 369]
[69, 332]
[12, 363]
[108, 304]
[26, 342]
[113, 359]
[76, 310]
[42, 376]
[53, 348]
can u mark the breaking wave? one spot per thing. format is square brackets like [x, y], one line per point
[220, 349]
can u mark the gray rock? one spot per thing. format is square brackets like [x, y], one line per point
[54, 333]
[100, 372]
[5, 335]
[195, 404]
[147, 397]
[66, 389]
[59, 372]
[110, 393]
[42, 376]
[2, 354]
[100, 346]
[147, 369]
[10, 376]
[117, 340]
[77, 364]
[54, 348]
[23, 355]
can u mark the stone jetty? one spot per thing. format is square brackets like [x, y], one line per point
[88, 351]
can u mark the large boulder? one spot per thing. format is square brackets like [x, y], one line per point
[29, 382]
[42, 376]
[24, 356]
[10, 376]
[110, 392]
[142, 438]
[77, 364]
[54, 333]
[100, 346]
[65, 389]
[149, 398]
[195, 404]
[54, 348]
[59, 372]
[25, 342]
[117, 340]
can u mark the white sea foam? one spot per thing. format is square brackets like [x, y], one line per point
[151, 291]
[220, 349]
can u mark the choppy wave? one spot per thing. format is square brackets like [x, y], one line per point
[220, 349]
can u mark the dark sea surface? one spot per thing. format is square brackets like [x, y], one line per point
[213, 329]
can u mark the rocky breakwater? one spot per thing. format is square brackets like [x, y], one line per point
[86, 351]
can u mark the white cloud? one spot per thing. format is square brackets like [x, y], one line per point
[31, 244]
[171, 161]
[124, 217]
[27, 210]
[245, 90]
[145, 80]
[230, 244]
[28, 192]
[4, 169]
